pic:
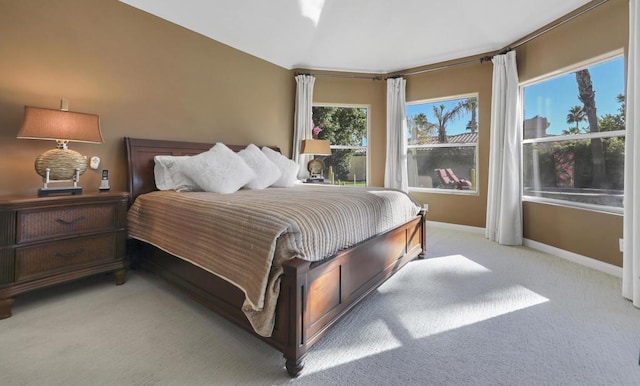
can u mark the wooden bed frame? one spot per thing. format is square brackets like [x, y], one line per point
[313, 296]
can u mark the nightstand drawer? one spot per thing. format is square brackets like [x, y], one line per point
[44, 259]
[45, 241]
[72, 220]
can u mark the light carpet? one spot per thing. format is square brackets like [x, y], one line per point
[472, 313]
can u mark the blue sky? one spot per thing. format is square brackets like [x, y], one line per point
[453, 127]
[551, 98]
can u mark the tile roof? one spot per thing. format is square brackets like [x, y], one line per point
[458, 138]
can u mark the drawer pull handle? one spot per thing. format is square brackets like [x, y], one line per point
[65, 222]
[70, 255]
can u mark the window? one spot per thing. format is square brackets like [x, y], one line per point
[345, 127]
[442, 139]
[573, 137]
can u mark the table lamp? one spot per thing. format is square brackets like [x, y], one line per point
[60, 164]
[315, 166]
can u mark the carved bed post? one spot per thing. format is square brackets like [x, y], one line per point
[295, 287]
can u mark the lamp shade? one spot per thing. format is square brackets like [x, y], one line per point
[42, 123]
[316, 147]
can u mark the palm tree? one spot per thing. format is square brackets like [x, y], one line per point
[444, 118]
[587, 96]
[471, 105]
[421, 121]
[576, 115]
[620, 98]
[420, 127]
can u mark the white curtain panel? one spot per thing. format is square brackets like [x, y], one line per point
[395, 171]
[303, 121]
[631, 233]
[504, 204]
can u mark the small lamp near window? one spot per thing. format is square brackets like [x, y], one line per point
[315, 166]
[60, 164]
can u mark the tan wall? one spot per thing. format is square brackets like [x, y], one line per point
[594, 33]
[361, 92]
[473, 78]
[588, 233]
[144, 76]
[599, 31]
[149, 78]
[469, 210]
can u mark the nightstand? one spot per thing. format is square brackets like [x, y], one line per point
[51, 240]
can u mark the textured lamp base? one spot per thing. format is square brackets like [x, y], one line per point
[44, 192]
[62, 164]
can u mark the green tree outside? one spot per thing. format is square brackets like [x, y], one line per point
[345, 126]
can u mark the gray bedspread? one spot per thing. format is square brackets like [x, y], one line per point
[244, 237]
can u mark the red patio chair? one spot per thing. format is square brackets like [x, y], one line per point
[444, 179]
[461, 184]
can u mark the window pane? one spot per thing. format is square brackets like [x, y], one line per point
[346, 167]
[588, 170]
[427, 167]
[340, 125]
[446, 121]
[343, 127]
[568, 170]
[554, 107]
[436, 127]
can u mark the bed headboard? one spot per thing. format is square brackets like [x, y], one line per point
[140, 153]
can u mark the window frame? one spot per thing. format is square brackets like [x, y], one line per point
[347, 147]
[476, 191]
[568, 137]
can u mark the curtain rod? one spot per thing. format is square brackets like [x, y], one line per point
[510, 47]
[483, 59]
[372, 77]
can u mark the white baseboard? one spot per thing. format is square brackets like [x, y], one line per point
[446, 225]
[576, 258]
[573, 257]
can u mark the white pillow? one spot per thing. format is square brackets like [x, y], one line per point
[219, 170]
[266, 171]
[288, 168]
[168, 174]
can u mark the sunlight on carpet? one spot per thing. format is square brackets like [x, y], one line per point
[449, 293]
[353, 351]
[483, 296]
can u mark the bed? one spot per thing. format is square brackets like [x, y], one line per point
[312, 294]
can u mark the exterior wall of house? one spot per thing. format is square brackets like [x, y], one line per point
[144, 76]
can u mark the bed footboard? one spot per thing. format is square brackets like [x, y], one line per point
[317, 297]
[313, 297]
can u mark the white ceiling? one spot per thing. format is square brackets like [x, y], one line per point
[372, 36]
